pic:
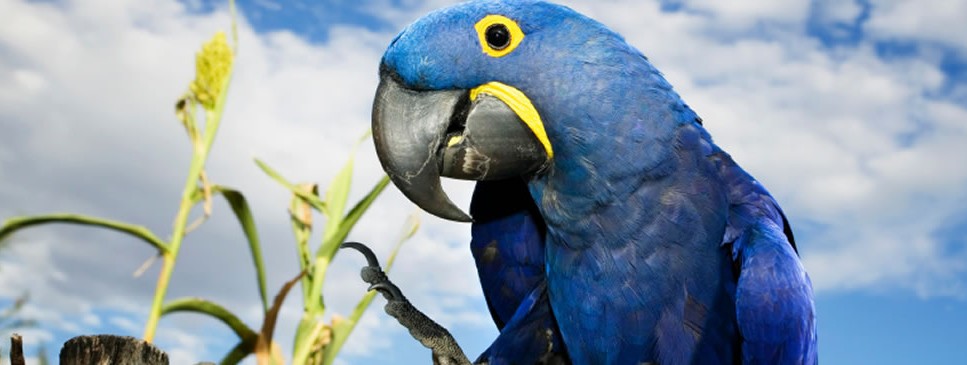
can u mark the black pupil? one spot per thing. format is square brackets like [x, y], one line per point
[498, 37]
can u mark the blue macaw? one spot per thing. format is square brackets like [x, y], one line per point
[608, 228]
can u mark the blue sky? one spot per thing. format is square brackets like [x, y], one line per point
[853, 113]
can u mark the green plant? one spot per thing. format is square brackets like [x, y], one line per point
[315, 341]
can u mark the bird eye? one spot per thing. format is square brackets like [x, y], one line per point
[499, 35]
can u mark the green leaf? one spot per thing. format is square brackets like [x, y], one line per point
[338, 192]
[17, 223]
[341, 330]
[203, 306]
[353, 217]
[337, 195]
[361, 207]
[244, 214]
[336, 198]
[309, 198]
[331, 244]
[238, 353]
[336, 227]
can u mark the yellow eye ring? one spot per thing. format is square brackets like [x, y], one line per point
[499, 35]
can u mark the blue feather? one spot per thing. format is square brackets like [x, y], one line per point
[774, 302]
[507, 245]
[641, 241]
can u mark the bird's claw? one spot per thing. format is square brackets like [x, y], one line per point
[370, 256]
[373, 274]
[445, 349]
[389, 290]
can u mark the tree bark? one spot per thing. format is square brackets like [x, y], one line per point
[16, 350]
[110, 349]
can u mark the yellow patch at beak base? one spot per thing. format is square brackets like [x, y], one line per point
[521, 105]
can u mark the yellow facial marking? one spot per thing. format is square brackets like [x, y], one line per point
[521, 105]
[454, 140]
[510, 28]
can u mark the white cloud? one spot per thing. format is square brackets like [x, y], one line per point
[848, 142]
[845, 139]
[746, 14]
[907, 19]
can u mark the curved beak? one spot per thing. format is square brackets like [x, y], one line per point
[477, 134]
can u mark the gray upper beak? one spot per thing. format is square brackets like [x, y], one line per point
[423, 135]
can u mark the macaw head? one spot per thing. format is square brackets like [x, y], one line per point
[491, 90]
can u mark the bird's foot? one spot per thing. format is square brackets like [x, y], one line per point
[445, 349]
[373, 274]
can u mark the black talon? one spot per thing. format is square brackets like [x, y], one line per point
[389, 290]
[370, 256]
[374, 275]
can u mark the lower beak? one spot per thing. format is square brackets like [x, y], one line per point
[423, 135]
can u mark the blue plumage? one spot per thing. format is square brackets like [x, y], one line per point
[507, 245]
[640, 241]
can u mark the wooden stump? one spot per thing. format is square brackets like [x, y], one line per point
[110, 349]
[16, 350]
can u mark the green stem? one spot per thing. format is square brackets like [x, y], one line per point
[315, 304]
[177, 236]
[212, 119]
